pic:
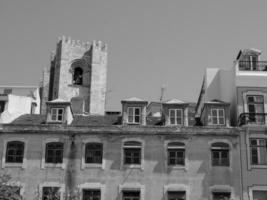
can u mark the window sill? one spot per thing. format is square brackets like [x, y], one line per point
[19, 165]
[176, 167]
[54, 165]
[133, 166]
[258, 166]
[92, 165]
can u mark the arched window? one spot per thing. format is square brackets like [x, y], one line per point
[132, 152]
[93, 153]
[54, 152]
[220, 154]
[176, 153]
[78, 76]
[15, 152]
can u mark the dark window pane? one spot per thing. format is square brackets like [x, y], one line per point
[54, 152]
[14, 152]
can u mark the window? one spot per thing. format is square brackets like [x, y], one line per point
[258, 151]
[93, 153]
[130, 195]
[57, 114]
[51, 193]
[89, 194]
[2, 106]
[132, 152]
[259, 195]
[220, 154]
[54, 152]
[217, 116]
[176, 116]
[176, 153]
[176, 195]
[7, 91]
[15, 152]
[256, 108]
[134, 115]
[221, 195]
[78, 76]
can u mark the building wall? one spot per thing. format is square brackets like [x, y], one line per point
[198, 177]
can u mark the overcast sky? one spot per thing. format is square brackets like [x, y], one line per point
[150, 42]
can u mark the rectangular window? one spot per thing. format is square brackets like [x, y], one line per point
[89, 194]
[93, 153]
[176, 154]
[15, 152]
[57, 114]
[51, 193]
[259, 195]
[54, 152]
[131, 195]
[132, 152]
[176, 195]
[221, 195]
[258, 151]
[256, 109]
[176, 116]
[220, 154]
[217, 116]
[134, 115]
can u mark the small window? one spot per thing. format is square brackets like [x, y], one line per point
[54, 152]
[176, 154]
[176, 195]
[221, 195]
[78, 76]
[57, 114]
[2, 106]
[93, 153]
[176, 116]
[15, 152]
[256, 109]
[217, 116]
[220, 154]
[51, 193]
[134, 115]
[131, 195]
[89, 194]
[132, 152]
[258, 151]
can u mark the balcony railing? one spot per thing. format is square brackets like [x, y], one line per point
[252, 118]
[253, 65]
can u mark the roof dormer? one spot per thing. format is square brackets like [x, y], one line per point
[59, 112]
[215, 113]
[175, 112]
[134, 111]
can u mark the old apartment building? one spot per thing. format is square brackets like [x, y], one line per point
[71, 148]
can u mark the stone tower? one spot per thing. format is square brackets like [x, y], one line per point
[78, 73]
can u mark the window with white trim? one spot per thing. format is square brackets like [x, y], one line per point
[259, 194]
[130, 195]
[176, 116]
[54, 152]
[57, 114]
[134, 115]
[176, 154]
[51, 193]
[220, 154]
[91, 194]
[217, 116]
[132, 153]
[15, 152]
[258, 151]
[176, 195]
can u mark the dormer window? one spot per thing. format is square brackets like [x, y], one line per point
[78, 76]
[176, 116]
[134, 115]
[57, 114]
[217, 116]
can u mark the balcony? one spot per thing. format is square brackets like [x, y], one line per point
[252, 65]
[251, 119]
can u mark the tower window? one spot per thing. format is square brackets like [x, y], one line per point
[78, 76]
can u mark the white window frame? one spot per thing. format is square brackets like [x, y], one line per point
[138, 166]
[258, 188]
[52, 184]
[24, 163]
[222, 188]
[217, 116]
[57, 114]
[134, 115]
[52, 165]
[92, 186]
[176, 116]
[176, 188]
[132, 187]
[92, 165]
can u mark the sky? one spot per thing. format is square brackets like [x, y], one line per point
[151, 43]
